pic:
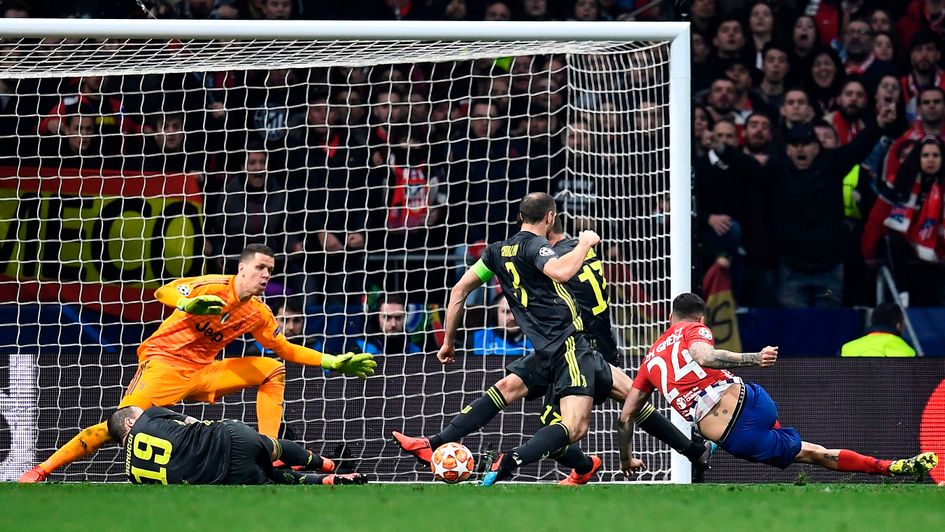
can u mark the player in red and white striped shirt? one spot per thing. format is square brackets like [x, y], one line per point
[740, 416]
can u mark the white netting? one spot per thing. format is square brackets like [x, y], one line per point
[407, 153]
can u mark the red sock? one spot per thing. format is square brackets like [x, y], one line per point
[851, 461]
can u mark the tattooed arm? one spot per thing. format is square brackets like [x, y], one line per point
[707, 356]
[634, 402]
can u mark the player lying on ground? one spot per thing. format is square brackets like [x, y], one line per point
[177, 361]
[740, 416]
[524, 380]
[164, 447]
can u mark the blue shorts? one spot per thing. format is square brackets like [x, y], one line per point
[756, 435]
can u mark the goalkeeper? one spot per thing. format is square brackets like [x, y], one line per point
[178, 361]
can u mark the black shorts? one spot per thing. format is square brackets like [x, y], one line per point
[534, 373]
[250, 456]
[578, 369]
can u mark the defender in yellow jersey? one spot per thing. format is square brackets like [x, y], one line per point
[179, 361]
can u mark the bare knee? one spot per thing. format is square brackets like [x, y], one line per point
[810, 453]
[622, 384]
[577, 430]
[512, 388]
[575, 415]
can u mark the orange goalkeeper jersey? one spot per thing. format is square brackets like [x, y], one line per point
[194, 341]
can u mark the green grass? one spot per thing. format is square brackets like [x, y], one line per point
[758, 507]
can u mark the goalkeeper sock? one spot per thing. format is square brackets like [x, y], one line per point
[546, 441]
[269, 401]
[472, 418]
[572, 457]
[663, 429]
[81, 445]
[856, 462]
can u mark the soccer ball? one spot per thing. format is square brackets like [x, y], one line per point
[452, 462]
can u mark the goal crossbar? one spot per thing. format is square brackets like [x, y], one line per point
[134, 43]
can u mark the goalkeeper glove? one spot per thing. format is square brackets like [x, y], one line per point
[201, 305]
[360, 365]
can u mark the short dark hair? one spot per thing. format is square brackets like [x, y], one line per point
[854, 79]
[773, 45]
[800, 89]
[254, 146]
[688, 306]
[886, 314]
[116, 423]
[394, 299]
[251, 250]
[534, 206]
[762, 114]
[557, 227]
[289, 303]
[932, 88]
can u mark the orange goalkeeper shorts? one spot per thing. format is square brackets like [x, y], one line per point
[160, 383]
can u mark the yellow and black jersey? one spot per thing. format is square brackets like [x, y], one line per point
[590, 291]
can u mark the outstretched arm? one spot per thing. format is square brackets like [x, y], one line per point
[563, 268]
[456, 308]
[631, 407]
[707, 356]
[357, 365]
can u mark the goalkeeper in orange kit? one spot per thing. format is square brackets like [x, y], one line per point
[179, 361]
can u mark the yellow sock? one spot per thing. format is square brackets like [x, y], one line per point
[83, 444]
[269, 403]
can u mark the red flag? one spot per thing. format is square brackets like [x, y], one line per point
[720, 308]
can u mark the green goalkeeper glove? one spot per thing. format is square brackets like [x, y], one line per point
[201, 305]
[360, 365]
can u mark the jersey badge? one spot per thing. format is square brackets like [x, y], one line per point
[183, 289]
[705, 333]
[546, 251]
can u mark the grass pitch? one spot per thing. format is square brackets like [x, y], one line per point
[729, 507]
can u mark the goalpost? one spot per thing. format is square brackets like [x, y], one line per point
[131, 156]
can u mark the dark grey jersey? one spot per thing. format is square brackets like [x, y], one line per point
[545, 310]
[162, 449]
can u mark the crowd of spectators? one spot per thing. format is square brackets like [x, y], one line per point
[817, 146]
[817, 136]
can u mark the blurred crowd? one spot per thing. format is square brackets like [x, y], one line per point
[817, 145]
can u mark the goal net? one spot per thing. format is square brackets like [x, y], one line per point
[374, 158]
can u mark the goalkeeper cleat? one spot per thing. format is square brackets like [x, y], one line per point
[342, 480]
[37, 474]
[577, 479]
[918, 465]
[495, 470]
[418, 447]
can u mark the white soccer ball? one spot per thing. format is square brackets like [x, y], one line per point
[452, 462]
